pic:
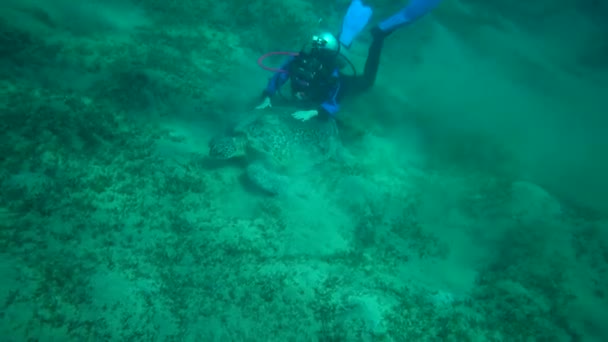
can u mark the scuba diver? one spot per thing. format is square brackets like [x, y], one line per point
[314, 72]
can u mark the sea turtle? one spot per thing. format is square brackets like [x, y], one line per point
[277, 146]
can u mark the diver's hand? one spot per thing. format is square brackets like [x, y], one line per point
[265, 104]
[304, 115]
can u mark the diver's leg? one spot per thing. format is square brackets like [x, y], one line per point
[414, 10]
[260, 174]
[355, 85]
[372, 63]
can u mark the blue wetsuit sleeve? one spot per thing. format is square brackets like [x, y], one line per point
[278, 79]
[331, 105]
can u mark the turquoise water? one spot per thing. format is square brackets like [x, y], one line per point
[466, 200]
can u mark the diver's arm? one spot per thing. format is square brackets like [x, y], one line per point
[277, 80]
[331, 106]
[274, 83]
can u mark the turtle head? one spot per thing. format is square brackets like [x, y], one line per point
[227, 147]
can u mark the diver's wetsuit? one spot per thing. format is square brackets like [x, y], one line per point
[332, 87]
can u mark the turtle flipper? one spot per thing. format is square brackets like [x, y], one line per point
[225, 147]
[265, 179]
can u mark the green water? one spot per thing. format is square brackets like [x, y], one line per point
[467, 201]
